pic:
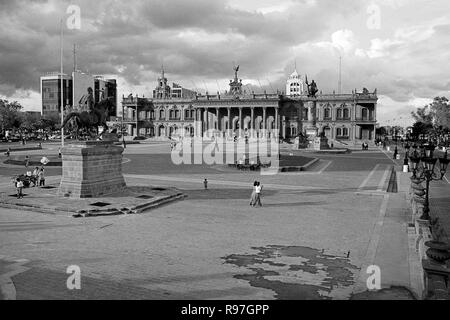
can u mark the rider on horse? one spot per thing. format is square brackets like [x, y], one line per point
[86, 102]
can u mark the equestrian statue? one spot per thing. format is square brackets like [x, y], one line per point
[90, 115]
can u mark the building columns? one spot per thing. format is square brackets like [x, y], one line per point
[229, 118]
[218, 118]
[252, 115]
[276, 124]
[240, 121]
[206, 120]
[264, 122]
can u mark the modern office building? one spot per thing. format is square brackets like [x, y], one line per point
[75, 86]
[51, 93]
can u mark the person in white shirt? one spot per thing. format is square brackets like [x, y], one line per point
[258, 190]
[19, 188]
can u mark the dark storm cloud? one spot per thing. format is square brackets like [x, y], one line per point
[201, 39]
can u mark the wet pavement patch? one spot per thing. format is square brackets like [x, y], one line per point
[297, 273]
[392, 293]
[100, 204]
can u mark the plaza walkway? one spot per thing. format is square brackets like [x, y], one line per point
[313, 238]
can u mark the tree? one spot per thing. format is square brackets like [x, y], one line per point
[10, 117]
[436, 113]
[30, 121]
[421, 128]
[51, 122]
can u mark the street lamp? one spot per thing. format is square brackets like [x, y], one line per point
[406, 160]
[423, 167]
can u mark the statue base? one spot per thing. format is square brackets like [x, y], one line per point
[91, 169]
[321, 143]
[311, 133]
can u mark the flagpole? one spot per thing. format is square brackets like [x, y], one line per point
[62, 86]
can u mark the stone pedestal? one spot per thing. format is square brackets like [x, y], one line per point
[321, 143]
[91, 169]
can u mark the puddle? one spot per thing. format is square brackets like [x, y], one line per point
[297, 273]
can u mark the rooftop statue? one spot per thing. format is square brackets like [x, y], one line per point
[312, 88]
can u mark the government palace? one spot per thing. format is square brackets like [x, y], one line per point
[173, 111]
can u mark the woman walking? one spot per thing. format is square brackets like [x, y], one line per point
[19, 188]
[253, 196]
[41, 178]
[258, 190]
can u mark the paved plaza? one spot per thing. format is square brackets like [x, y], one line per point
[313, 238]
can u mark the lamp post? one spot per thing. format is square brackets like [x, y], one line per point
[406, 160]
[423, 167]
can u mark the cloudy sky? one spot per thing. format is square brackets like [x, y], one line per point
[401, 47]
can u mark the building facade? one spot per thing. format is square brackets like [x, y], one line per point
[344, 118]
[51, 93]
[74, 87]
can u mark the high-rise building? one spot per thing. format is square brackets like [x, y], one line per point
[75, 86]
[51, 93]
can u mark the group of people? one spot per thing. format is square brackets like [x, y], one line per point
[36, 177]
[365, 146]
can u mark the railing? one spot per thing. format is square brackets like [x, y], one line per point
[343, 118]
[368, 119]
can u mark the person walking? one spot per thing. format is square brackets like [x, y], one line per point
[27, 161]
[258, 190]
[41, 178]
[253, 196]
[205, 183]
[35, 176]
[19, 188]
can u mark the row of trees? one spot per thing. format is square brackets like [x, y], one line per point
[14, 119]
[432, 119]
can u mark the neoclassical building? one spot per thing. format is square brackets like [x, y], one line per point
[346, 118]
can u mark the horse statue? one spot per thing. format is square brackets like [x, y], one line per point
[88, 120]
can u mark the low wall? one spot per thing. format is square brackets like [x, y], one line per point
[434, 277]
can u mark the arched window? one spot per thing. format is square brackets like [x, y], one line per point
[365, 114]
[293, 131]
[345, 132]
[186, 113]
[327, 113]
[161, 114]
[339, 113]
[346, 113]
[338, 132]
[177, 114]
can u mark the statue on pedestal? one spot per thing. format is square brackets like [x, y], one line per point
[89, 115]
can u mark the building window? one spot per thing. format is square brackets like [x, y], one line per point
[338, 132]
[339, 113]
[327, 113]
[161, 114]
[293, 131]
[365, 114]
[346, 113]
[345, 132]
